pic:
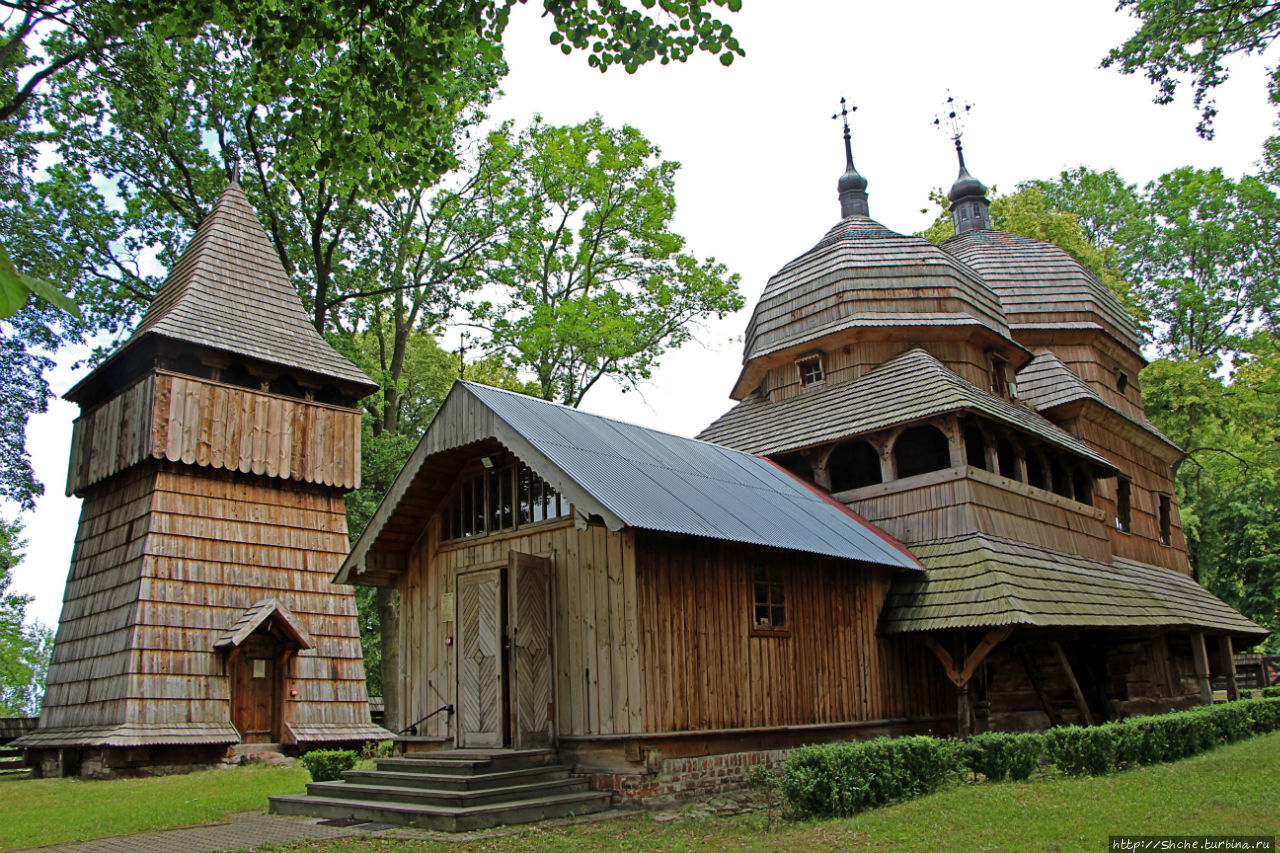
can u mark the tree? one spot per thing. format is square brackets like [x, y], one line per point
[1195, 38]
[589, 280]
[24, 648]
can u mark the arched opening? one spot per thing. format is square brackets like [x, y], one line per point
[1007, 458]
[975, 447]
[921, 449]
[796, 463]
[1035, 470]
[286, 386]
[852, 465]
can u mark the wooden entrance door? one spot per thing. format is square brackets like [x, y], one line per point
[254, 691]
[481, 682]
[532, 708]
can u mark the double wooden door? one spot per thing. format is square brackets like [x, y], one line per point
[504, 664]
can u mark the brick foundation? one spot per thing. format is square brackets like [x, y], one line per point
[669, 779]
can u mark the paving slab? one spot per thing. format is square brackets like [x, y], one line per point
[245, 831]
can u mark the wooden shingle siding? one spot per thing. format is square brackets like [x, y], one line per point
[846, 362]
[211, 425]
[704, 669]
[168, 558]
[963, 501]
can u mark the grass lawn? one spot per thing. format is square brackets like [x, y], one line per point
[1232, 790]
[44, 811]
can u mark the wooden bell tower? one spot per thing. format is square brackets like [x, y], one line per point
[212, 452]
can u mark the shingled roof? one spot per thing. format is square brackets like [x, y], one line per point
[1040, 285]
[984, 581]
[228, 291]
[910, 387]
[631, 476]
[1046, 383]
[861, 274]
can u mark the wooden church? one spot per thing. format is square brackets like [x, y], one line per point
[937, 506]
[212, 452]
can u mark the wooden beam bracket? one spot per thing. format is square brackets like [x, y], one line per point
[960, 678]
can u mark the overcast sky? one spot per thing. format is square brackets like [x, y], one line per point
[761, 156]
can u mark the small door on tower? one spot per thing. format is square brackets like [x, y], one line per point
[532, 697]
[254, 690]
[481, 679]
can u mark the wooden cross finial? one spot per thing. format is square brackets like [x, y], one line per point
[845, 109]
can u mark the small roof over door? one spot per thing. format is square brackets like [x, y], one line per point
[257, 615]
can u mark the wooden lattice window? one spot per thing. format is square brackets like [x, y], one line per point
[810, 370]
[768, 600]
[500, 496]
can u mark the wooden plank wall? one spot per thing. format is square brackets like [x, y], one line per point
[1149, 475]
[704, 669]
[845, 362]
[596, 636]
[167, 558]
[961, 501]
[212, 425]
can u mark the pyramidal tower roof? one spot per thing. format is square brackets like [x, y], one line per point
[228, 291]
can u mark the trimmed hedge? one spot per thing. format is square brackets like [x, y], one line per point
[1271, 692]
[843, 778]
[326, 765]
[1001, 755]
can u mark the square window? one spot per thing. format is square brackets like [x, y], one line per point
[810, 370]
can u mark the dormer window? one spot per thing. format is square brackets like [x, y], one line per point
[810, 369]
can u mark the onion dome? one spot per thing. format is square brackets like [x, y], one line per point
[1043, 288]
[970, 210]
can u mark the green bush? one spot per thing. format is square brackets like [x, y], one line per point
[843, 778]
[326, 765]
[1271, 692]
[1080, 750]
[1000, 755]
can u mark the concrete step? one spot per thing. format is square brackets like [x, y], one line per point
[511, 794]
[443, 819]
[469, 762]
[457, 781]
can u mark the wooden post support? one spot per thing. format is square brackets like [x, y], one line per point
[1201, 657]
[963, 723]
[1081, 705]
[1033, 676]
[1228, 656]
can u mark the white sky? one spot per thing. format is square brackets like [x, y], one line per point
[761, 157]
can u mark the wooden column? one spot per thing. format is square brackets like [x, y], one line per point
[971, 661]
[1081, 705]
[1228, 657]
[955, 441]
[1201, 658]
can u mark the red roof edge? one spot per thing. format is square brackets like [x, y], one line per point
[826, 496]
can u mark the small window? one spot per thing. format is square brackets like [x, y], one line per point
[1124, 507]
[999, 375]
[1122, 381]
[768, 603]
[810, 370]
[1165, 503]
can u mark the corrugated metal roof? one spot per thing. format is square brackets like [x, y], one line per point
[633, 476]
[910, 387]
[984, 581]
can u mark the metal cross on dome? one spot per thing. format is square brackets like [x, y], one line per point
[844, 113]
[953, 117]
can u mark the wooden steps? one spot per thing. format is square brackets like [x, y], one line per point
[451, 791]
